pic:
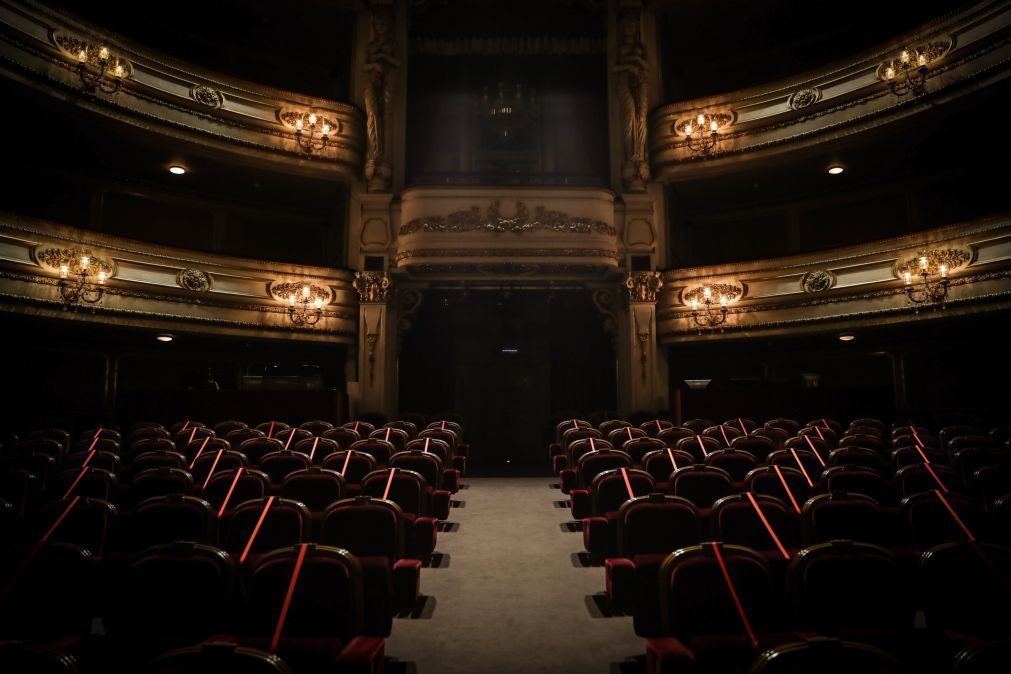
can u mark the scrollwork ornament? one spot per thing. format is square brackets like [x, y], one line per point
[817, 281]
[803, 98]
[643, 286]
[952, 258]
[493, 221]
[283, 291]
[205, 95]
[194, 280]
[56, 258]
[373, 287]
[728, 290]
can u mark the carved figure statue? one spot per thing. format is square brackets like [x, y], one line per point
[632, 72]
[377, 96]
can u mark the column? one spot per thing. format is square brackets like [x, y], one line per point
[377, 376]
[642, 367]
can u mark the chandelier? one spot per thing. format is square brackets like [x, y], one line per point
[99, 71]
[908, 73]
[312, 133]
[702, 133]
[509, 107]
[927, 288]
[304, 310]
[704, 316]
[80, 289]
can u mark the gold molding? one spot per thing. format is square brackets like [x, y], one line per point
[194, 280]
[729, 290]
[54, 258]
[284, 290]
[506, 252]
[493, 221]
[953, 258]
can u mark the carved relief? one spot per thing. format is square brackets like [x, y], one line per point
[643, 286]
[55, 258]
[74, 47]
[205, 95]
[639, 232]
[506, 252]
[373, 287]
[931, 51]
[642, 340]
[631, 82]
[378, 97]
[492, 220]
[802, 98]
[194, 280]
[375, 233]
[817, 281]
[728, 290]
[371, 340]
[950, 257]
[291, 117]
[284, 291]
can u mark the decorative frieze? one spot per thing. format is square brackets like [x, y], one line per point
[492, 220]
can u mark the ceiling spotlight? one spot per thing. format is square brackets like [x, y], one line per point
[848, 337]
[164, 337]
[177, 169]
[835, 169]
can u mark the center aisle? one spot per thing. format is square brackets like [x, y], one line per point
[511, 597]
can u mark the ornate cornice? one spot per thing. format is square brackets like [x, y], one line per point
[39, 45]
[492, 221]
[507, 252]
[968, 46]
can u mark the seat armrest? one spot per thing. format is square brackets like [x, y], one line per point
[362, 655]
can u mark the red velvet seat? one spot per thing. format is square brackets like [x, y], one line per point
[175, 517]
[637, 448]
[755, 445]
[609, 490]
[354, 469]
[198, 448]
[830, 436]
[191, 434]
[618, 436]
[110, 461]
[286, 523]
[224, 427]
[97, 444]
[577, 448]
[240, 435]
[743, 424]
[929, 523]
[917, 477]
[841, 515]
[735, 461]
[654, 427]
[158, 458]
[144, 445]
[316, 426]
[803, 460]
[211, 460]
[92, 524]
[578, 482]
[272, 427]
[777, 435]
[863, 440]
[186, 425]
[251, 484]
[766, 480]
[791, 426]
[698, 425]
[658, 464]
[855, 479]
[908, 456]
[316, 448]
[361, 427]
[159, 482]
[91, 481]
[256, 448]
[278, 465]
[722, 434]
[291, 436]
[316, 487]
[395, 436]
[734, 520]
[379, 449]
[698, 446]
[408, 427]
[670, 436]
[344, 437]
[702, 485]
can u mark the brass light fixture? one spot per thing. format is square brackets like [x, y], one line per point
[703, 315]
[312, 133]
[907, 73]
[927, 288]
[304, 310]
[702, 133]
[75, 291]
[99, 70]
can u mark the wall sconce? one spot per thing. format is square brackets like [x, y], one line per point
[925, 278]
[908, 72]
[703, 132]
[710, 303]
[303, 309]
[313, 132]
[99, 70]
[81, 289]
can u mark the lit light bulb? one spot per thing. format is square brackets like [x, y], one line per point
[904, 56]
[305, 291]
[921, 60]
[291, 300]
[85, 261]
[298, 124]
[82, 55]
[707, 293]
[101, 278]
[118, 71]
[701, 119]
[319, 302]
[64, 270]
[103, 53]
[695, 304]
[723, 300]
[890, 73]
[312, 120]
[688, 129]
[923, 263]
[713, 126]
[944, 271]
[326, 128]
[907, 277]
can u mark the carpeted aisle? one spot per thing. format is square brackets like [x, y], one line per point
[511, 599]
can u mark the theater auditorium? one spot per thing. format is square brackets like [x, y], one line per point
[495, 336]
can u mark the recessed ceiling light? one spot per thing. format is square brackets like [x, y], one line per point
[835, 169]
[847, 337]
[177, 169]
[164, 337]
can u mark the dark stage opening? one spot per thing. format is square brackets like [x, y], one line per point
[509, 361]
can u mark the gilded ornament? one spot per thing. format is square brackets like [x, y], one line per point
[817, 281]
[194, 280]
[205, 95]
[283, 291]
[291, 117]
[802, 98]
[728, 290]
[950, 257]
[493, 221]
[56, 258]
[373, 287]
[643, 286]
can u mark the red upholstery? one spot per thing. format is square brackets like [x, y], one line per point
[287, 523]
[702, 485]
[175, 517]
[316, 487]
[841, 515]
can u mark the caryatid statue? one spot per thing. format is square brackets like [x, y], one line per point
[378, 94]
[632, 71]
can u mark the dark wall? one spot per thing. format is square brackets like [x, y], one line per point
[941, 372]
[506, 361]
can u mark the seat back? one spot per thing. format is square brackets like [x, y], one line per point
[191, 434]
[428, 465]
[654, 427]
[622, 434]
[608, 426]
[159, 482]
[930, 523]
[855, 480]
[316, 448]
[965, 587]
[252, 484]
[696, 426]
[637, 448]
[656, 523]
[109, 461]
[60, 575]
[670, 436]
[567, 424]
[755, 445]
[240, 435]
[695, 599]
[397, 437]
[175, 517]
[722, 434]
[983, 658]
[91, 481]
[360, 426]
[256, 448]
[345, 437]
[295, 434]
[358, 466]
[658, 463]
[212, 461]
[92, 524]
[698, 446]
[915, 478]
[272, 427]
[224, 427]
[286, 523]
[445, 435]
[841, 515]
[408, 427]
[735, 521]
[278, 465]
[365, 527]
[609, 491]
[327, 601]
[316, 487]
[577, 448]
[406, 489]
[143, 445]
[217, 657]
[99, 445]
[791, 426]
[432, 445]
[826, 656]
[316, 426]
[381, 450]
[844, 584]
[736, 462]
[700, 484]
[593, 464]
